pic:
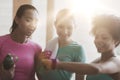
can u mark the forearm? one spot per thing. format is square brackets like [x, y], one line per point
[77, 67]
[6, 75]
[5, 78]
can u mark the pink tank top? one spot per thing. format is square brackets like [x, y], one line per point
[25, 52]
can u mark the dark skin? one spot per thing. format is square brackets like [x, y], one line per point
[26, 26]
[108, 63]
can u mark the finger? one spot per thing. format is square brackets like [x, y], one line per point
[11, 70]
[42, 55]
[47, 63]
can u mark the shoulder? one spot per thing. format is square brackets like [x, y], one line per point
[79, 52]
[3, 38]
[116, 60]
[35, 46]
[77, 46]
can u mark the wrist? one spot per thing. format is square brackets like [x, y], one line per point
[54, 63]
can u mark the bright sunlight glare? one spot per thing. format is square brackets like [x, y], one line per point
[87, 7]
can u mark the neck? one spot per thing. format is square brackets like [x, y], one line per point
[107, 55]
[63, 43]
[18, 37]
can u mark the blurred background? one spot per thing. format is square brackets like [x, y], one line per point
[84, 11]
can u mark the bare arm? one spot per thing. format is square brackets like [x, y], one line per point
[37, 64]
[111, 66]
[108, 67]
[78, 67]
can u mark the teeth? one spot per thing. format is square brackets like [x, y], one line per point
[27, 36]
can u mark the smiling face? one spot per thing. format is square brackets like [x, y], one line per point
[104, 41]
[64, 24]
[27, 23]
[65, 29]
[106, 31]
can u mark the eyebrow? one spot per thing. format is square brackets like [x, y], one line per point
[28, 17]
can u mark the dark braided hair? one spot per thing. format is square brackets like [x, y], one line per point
[20, 12]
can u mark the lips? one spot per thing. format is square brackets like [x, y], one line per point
[99, 46]
[29, 32]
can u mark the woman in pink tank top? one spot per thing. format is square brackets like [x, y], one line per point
[18, 43]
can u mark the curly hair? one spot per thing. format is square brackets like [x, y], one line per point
[110, 22]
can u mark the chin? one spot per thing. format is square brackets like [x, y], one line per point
[101, 51]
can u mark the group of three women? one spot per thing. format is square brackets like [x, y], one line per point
[70, 55]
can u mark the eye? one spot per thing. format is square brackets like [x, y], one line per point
[60, 26]
[105, 37]
[69, 27]
[28, 20]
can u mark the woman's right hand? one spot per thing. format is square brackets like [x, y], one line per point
[7, 74]
[45, 55]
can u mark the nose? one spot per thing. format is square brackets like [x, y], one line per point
[98, 41]
[65, 31]
[33, 26]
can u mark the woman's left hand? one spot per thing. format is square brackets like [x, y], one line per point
[47, 63]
